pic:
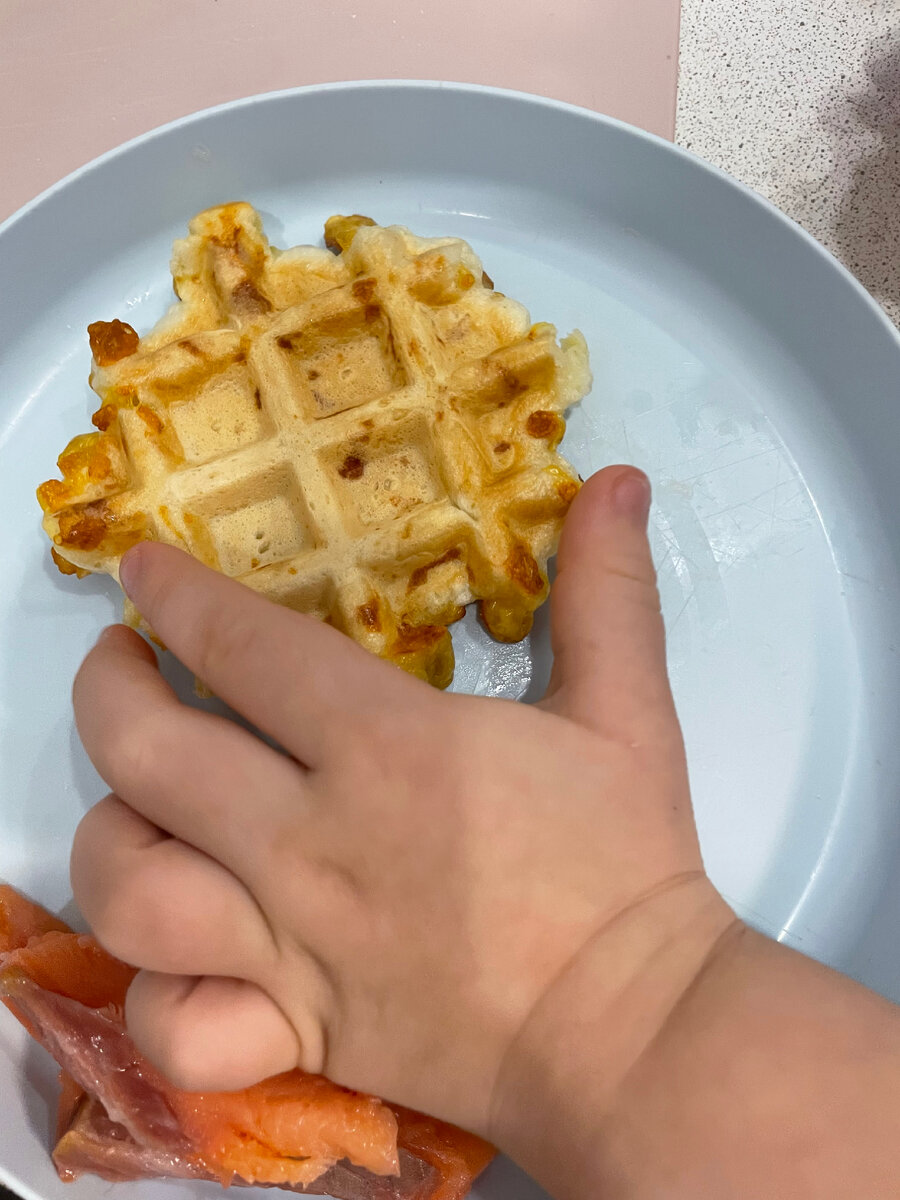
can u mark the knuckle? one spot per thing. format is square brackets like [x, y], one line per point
[635, 567]
[635, 575]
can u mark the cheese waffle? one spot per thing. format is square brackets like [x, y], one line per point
[365, 432]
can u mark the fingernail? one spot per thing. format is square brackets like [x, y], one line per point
[631, 497]
[128, 570]
[106, 634]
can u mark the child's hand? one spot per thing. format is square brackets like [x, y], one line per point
[410, 900]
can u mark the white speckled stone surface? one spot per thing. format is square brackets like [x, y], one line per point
[800, 99]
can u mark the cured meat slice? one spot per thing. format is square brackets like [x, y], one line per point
[95, 1145]
[119, 1118]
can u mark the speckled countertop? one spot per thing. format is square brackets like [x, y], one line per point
[800, 99]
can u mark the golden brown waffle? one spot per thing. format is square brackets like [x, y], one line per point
[365, 433]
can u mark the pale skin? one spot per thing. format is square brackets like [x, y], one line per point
[492, 912]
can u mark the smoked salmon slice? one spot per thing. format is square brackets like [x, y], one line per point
[21, 919]
[93, 1144]
[119, 1118]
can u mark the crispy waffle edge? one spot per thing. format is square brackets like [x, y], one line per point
[366, 433]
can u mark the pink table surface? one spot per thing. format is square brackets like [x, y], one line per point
[78, 77]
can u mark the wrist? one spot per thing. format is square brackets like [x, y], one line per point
[562, 1077]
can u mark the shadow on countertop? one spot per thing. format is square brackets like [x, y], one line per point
[867, 226]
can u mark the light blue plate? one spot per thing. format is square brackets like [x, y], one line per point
[734, 360]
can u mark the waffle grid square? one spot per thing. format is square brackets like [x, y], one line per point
[369, 436]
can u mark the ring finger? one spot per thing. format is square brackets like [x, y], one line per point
[199, 777]
[161, 905]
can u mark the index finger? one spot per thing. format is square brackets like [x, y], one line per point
[300, 681]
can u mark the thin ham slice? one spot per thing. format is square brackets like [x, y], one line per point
[91, 1046]
[95, 1145]
[120, 1119]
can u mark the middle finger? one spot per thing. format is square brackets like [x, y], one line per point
[162, 905]
[199, 777]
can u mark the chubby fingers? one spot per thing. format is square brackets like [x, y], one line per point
[212, 1034]
[609, 641]
[301, 681]
[159, 904]
[199, 777]
[199, 1007]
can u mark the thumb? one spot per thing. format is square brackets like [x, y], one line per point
[609, 669]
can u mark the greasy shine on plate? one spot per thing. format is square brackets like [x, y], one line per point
[733, 359]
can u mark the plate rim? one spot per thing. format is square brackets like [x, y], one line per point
[661, 144]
